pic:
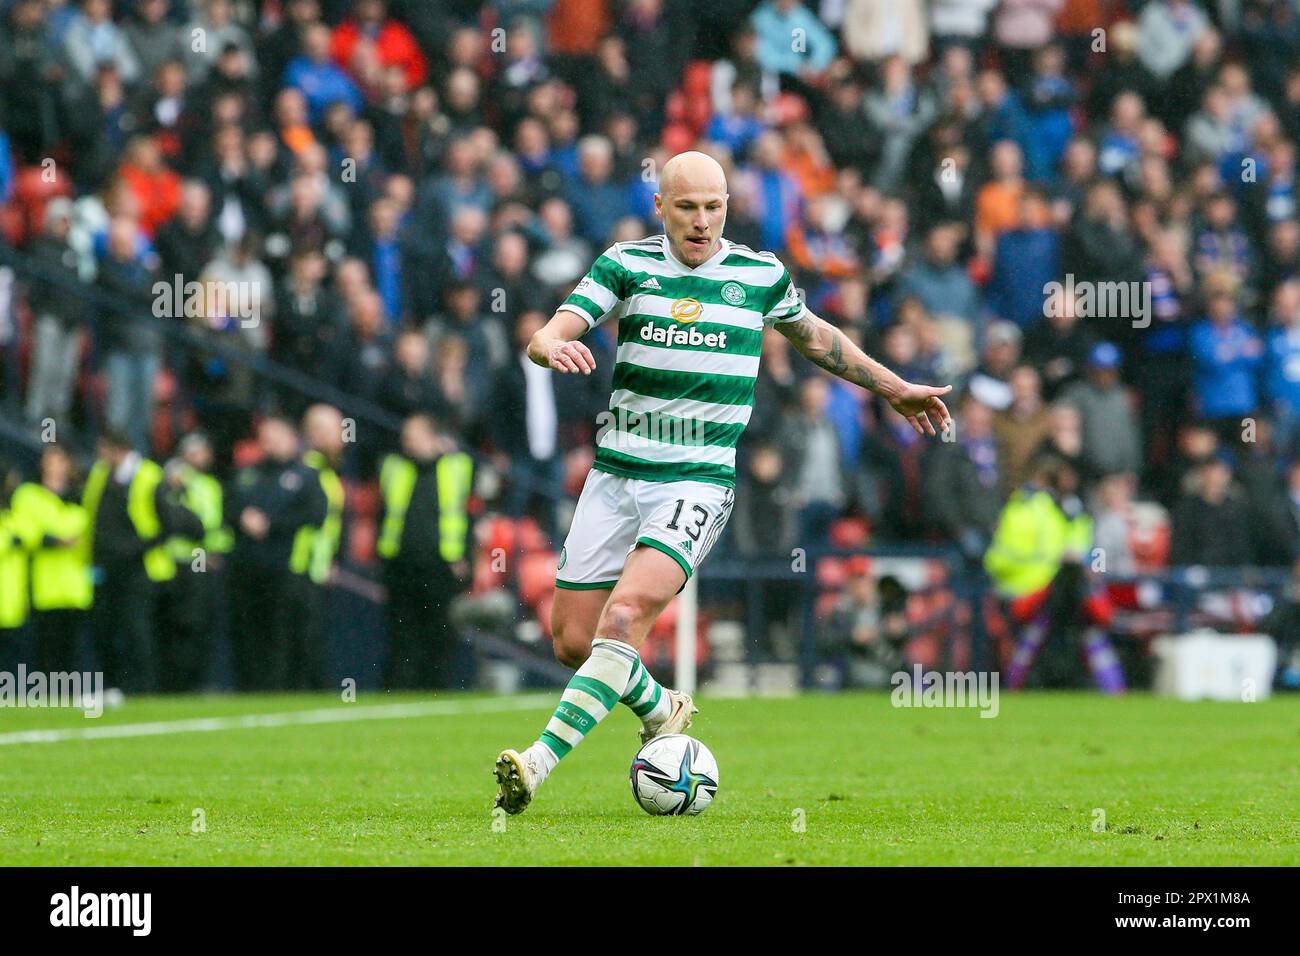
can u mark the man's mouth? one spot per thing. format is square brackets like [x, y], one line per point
[699, 242]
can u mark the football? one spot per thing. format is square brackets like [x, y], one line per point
[674, 775]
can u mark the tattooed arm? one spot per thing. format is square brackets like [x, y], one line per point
[827, 346]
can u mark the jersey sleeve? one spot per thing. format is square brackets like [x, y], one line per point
[601, 291]
[785, 303]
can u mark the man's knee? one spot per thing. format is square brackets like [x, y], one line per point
[626, 618]
[572, 645]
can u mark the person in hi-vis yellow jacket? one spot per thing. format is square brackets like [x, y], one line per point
[56, 529]
[1037, 561]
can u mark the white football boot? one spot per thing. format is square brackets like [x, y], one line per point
[679, 718]
[518, 778]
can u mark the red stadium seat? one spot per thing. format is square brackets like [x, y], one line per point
[536, 576]
[850, 533]
[825, 604]
[529, 537]
[831, 572]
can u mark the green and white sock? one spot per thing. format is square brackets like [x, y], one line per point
[646, 697]
[612, 673]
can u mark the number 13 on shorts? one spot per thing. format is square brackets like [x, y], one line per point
[688, 524]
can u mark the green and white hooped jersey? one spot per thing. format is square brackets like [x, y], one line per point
[688, 349]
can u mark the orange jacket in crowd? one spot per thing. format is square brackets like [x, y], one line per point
[158, 193]
[395, 46]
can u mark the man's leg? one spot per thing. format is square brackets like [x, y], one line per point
[612, 671]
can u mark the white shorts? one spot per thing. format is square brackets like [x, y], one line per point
[680, 518]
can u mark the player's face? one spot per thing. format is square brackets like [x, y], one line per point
[693, 221]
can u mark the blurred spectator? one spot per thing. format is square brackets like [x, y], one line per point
[59, 319]
[369, 39]
[1168, 30]
[1022, 426]
[524, 428]
[900, 111]
[875, 29]
[775, 23]
[1020, 27]
[1059, 346]
[867, 640]
[189, 240]
[1112, 510]
[1025, 259]
[321, 81]
[811, 451]
[938, 280]
[92, 40]
[1282, 367]
[132, 345]
[1226, 354]
[1111, 439]
[962, 484]
[991, 380]
[1211, 526]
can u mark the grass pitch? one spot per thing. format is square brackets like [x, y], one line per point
[843, 779]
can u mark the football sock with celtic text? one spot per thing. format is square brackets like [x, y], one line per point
[612, 673]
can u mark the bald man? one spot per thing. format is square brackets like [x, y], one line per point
[691, 309]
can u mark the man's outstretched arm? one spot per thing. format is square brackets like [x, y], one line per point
[827, 346]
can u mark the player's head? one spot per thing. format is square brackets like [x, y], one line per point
[692, 202]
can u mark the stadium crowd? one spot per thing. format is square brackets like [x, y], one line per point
[1082, 212]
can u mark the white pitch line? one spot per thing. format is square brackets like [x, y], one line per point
[332, 715]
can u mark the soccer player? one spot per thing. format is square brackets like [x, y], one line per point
[691, 311]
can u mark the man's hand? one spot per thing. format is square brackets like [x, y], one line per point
[570, 357]
[825, 345]
[555, 345]
[921, 406]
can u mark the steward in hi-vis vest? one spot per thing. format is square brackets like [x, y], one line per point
[1039, 563]
[14, 593]
[314, 548]
[269, 505]
[424, 541]
[190, 611]
[57, 529]
[132, 512]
